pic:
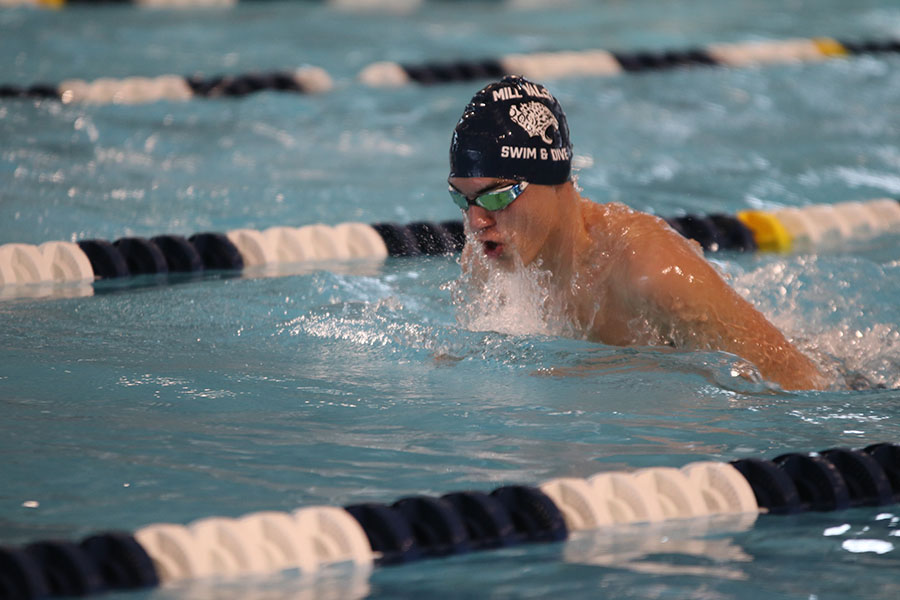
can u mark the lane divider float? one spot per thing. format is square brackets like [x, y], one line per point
[361, 536]
[539, 65]
[603, 63]
[138, 90]
[783, 230]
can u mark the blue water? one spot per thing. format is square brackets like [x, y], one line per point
[341, 383]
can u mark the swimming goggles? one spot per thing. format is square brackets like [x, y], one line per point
[497, 199]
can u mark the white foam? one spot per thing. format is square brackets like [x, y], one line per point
[516, 302]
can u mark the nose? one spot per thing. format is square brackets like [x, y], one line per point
[479, 218]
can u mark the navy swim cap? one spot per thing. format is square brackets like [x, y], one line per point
[512, 129]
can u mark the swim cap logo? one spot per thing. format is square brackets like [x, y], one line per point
[534, 118]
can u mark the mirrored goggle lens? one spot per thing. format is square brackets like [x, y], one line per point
[459, 200]
[498, 198]
[495, 200]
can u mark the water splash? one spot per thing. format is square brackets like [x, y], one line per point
[519, 302]
[840, 310]
[378, 323]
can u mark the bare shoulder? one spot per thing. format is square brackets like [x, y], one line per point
[648, 251]
[616, 213]
[625, 225]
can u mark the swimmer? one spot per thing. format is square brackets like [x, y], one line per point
[622, 277]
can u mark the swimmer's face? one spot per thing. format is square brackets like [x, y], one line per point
[519, 231]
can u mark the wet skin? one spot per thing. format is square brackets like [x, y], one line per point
[625, 277]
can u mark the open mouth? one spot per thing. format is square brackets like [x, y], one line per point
[493, 249]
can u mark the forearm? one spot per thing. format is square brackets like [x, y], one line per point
[761, 343]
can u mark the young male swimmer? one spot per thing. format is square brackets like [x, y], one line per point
[621, 277]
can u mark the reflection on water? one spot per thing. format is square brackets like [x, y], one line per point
[45, 291]
[336, 582]
[699, 547]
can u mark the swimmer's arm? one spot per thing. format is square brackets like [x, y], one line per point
[688, 297]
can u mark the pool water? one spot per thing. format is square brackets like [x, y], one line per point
[175, 399]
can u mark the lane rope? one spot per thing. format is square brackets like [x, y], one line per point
[138, 90]
[313, 539]
[539, 65]
[69, 268]
[604, 63]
